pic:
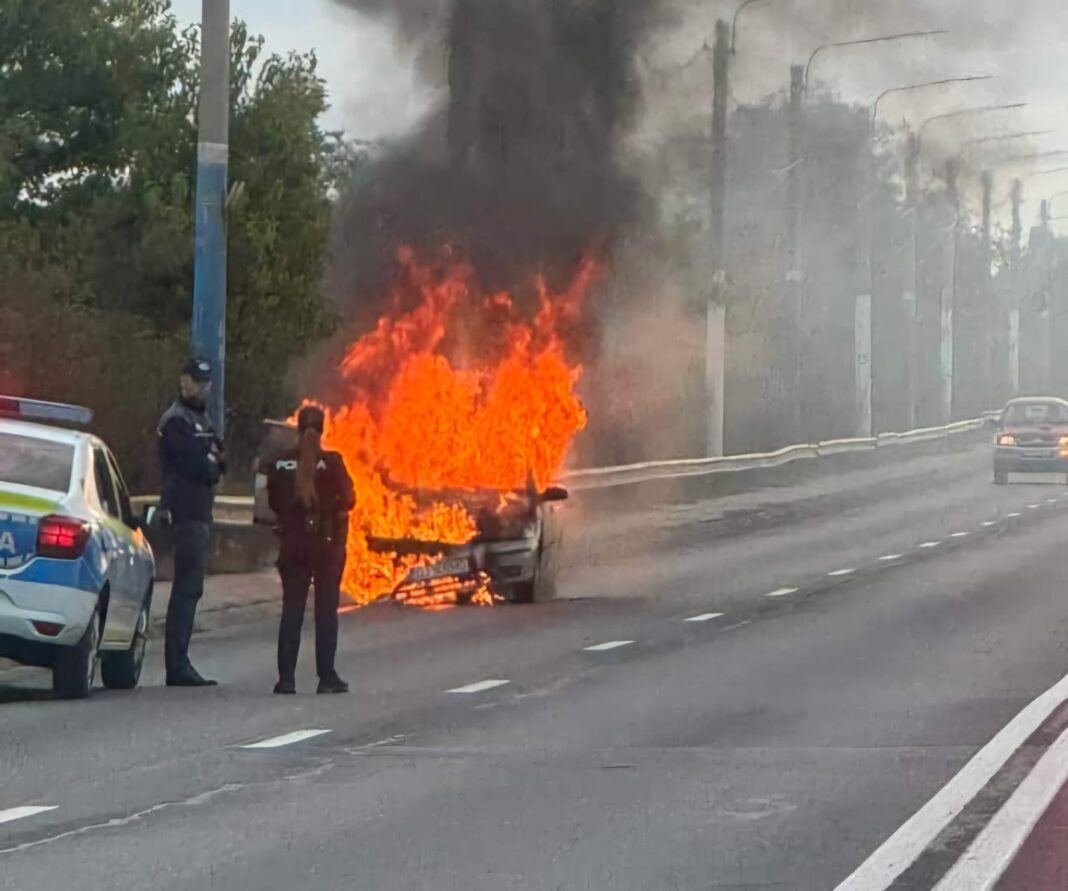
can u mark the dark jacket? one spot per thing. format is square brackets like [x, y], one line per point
[326, 524]
[191, 459]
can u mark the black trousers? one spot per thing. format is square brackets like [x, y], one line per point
[324, 568]
[191, 545]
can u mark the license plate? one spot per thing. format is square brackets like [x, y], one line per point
[444, 569]
[1038, 453]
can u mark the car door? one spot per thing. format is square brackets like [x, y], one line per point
[119, 549]
[142, 564]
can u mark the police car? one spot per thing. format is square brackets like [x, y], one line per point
[76, 570]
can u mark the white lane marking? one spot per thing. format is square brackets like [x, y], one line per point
[480, 686]
[930, 544]
[840, 572]
[889, 557]
[987, 858]
[611, 645]
[959, 535]
[902, 849]
[782, 592]
[1033, 506]
[989, 523]
[1014, 515]
[288, 739]
[1051, 501]
[21, 813]
[704, 617]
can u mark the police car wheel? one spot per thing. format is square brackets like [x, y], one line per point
[74, 669]
[122, 671]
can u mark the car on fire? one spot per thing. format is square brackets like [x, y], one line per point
[1032, 437]
[76, 570]
[514, 555]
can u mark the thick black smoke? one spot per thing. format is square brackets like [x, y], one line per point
[520, 171]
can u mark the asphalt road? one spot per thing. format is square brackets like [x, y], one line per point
[774, 746]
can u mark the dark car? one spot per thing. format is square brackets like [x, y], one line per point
[1032, 437]
[514, 554]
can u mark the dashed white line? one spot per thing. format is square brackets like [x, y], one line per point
[838, 573]
[890, 557]
[959, 535]
[21, 813]
[704, 617]
[1051, 501]
[1033, 506]
[989, 523]
[610, 645]
[930, 544]
[782, 592]
[288, 739]
[1014, 515]
[480, 686]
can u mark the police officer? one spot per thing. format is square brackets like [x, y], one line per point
[311, 493]
[192, 459]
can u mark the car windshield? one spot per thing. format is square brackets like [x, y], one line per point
[38, 463]
[1038, 413]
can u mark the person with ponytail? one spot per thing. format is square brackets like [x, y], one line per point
[311, 493]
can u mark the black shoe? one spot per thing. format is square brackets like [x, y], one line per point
[332, 685]
[285, 688]
[189, 677]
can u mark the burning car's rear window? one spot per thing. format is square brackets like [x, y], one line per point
[1022, 413]
[40, 463]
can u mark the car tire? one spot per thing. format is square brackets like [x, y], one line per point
[122, 671]
[1001, 478]
[74, 668]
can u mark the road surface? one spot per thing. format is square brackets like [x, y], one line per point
[668, 724]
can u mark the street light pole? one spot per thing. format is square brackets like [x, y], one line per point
[209, 276]
[864, 42]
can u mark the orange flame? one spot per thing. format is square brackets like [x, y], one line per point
[453, 390]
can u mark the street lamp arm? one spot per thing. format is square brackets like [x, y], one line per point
[867, 40]
[967, 111]
[911, 87]
[734, 23]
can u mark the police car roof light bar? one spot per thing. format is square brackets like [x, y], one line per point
[19, 409]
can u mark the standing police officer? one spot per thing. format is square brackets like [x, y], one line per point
[311, 493]
[192, 459]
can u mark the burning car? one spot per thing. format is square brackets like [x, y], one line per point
[512, 553]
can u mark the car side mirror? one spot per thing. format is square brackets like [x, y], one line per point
[555, 493]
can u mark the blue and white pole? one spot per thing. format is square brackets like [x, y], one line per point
[209, 277]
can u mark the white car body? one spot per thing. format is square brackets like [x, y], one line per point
[46, 603]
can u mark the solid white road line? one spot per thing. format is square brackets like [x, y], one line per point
[901, 850]
[611, 645]
[930, 544]
[994, 848]
[782, 592]
[480, 686]
[840, 572]
[276, 742]
[704, 617]
[21, 813]
[890, 557]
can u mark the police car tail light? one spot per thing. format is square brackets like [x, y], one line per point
[62, 538]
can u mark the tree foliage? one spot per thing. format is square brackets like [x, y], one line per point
[98, 138]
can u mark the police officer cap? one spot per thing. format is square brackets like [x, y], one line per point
[311, 417]
[198, 370]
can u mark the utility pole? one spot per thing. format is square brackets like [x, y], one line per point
[795, 272]
[986, 309]
[949, 295]
[715, 345]
[911, 299]
[1017, 226]
[209, 278]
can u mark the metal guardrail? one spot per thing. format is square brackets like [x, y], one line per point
[651, 471]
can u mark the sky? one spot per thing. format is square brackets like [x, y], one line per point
[376, 90]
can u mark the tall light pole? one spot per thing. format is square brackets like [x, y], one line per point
[209, 276]
[865, 315]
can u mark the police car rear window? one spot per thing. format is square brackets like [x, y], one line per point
[40, 463]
